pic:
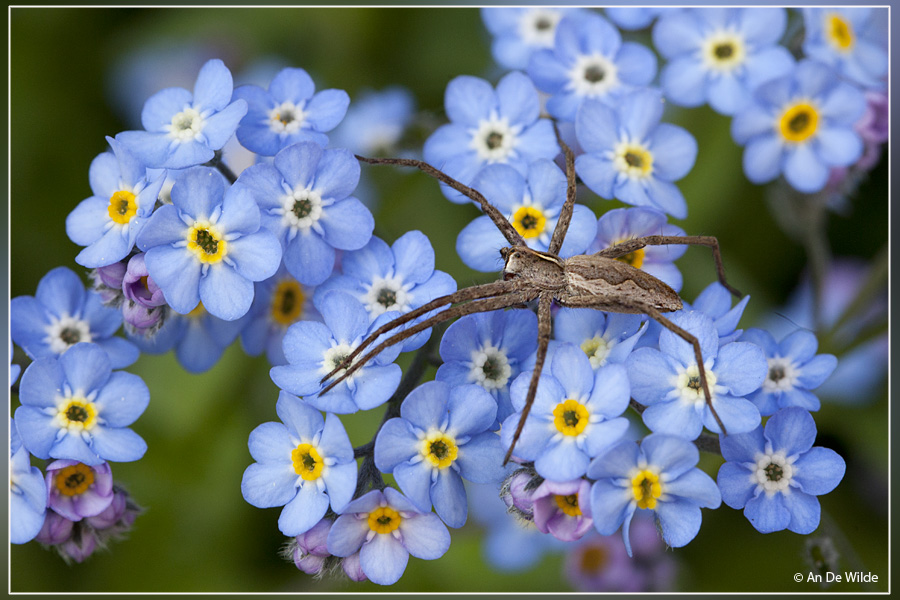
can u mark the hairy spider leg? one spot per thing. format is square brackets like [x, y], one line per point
[629, 246]
[545, 301]
[476, 306]
[565, 215]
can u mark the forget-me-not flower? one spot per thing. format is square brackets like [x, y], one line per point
[630, 155]
[185, 129]
[77, 490]
[76, 407]
[851, 39]
[518, 32]
[304, 464]
[441, 436]
[563, 509]
[376, 121]
[27, 492]
[775, 473]
[531, 201]
[605, 338]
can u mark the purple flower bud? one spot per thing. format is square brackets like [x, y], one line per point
[111, 515]
[563, 509]
[139, 287]
[873, 124]
[352, 568]
[77, 490]
[56, 530]
[108, 282]
[78, 547]
[516, 492]
[310, 551]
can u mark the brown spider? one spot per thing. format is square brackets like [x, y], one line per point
[587, 281]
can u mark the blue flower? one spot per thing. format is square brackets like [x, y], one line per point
[720, 55]
[794, 370]
[520, 32]
[605, 338]
[667, 380]
[853, 40]
[313, 349]
[396, 278]
[658, 475]
[440, 437]
[278, 303]
[622, 224]
[289, 112]
[304, 199]
[61, 314]
[630, 155]
[531, 202]
[800, 125]
[575, 415]
[376, 121]
[589, 60]
[184, 129]
[488, 349]
[775, 473]
[632, 18]
[108, 222]
[489, 126]
[27, 492]
[303, 465]
[208, 246]
[76, 407]
[385, 528]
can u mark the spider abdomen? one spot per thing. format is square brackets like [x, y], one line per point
[614, 286]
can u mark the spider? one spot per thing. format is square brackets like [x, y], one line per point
[597, 281]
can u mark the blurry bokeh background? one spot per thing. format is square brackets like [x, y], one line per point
[78, 75]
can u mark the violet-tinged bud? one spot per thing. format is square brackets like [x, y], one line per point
[56, 529]
[563, 509]
[352, 568]
[139, 287]
[79, 546]
[76, 490]
[873, 124]
[112, 513]
[310, 550]
[142, 320]
[108, 282]
[517, 489]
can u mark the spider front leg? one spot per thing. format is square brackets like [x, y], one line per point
[545, 301]
[632, 245]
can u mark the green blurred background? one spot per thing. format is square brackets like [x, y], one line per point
[198, 534]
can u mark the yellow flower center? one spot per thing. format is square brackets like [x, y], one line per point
[798, 122]
[633, 160]
[839, 32]
[646, 489]
[308, 463]
[439, 449]
[74, 480]
[205, 241]
[529, 222]
[724, 51]
[384, 520]
[287, 302]
[568, 504]
[570, 417]
[122, 207]
[77, 414]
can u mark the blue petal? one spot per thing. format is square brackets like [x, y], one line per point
[603, 435]
[374, 385]
[424, 536]
[164, 227]
[225, 293]
[547, 72]
[214, 85]
[819, 470]
[598, 173]
[697, 487]
[582, 231]
[727, 94]
[817, 370]
[480, 460]
[220, 127]
[767, 513]
[396, 443]
[676, 32]
[117, 445]
[305, 510]
[269, 485]
[335, 442]
[502, 186]
[270, 442]
[640, 112]
[298, 164]
[611, 505]
[742, 447]
[159, 109]
[291, 85]
[674, 151]
[735, 484]
[327, 109]
[415, 481]
[300, 379]
[340, 482]
[753, 121]
[517, 99]
[73, 447]
[741, 367]
[413, 257]
[596, 127]
[348, 224]
[672, 455]
[675, 418]
[61, 292]
[479, 244]
[804, 170]
[446, 141]
[561, 461]
[792, 430]
[615, 463]
[256, 256]
[123, 399]
[651, 373]
[762, 159]
[347, 534]
[472, 410]
[839, 147]
[86, 367]
[87, 222]
[534, 437]
[611, 390]
[684, 81]
[679, 521]
[738, 415]
[468, 100]
[805, 512]
[572, 368]
[36, 430]
[449, 498]
[426, 406]
[300, 419]
[41, 383]
[337, 174]
[662, 195]
[309, 259]
[698, 324]
[306, 341]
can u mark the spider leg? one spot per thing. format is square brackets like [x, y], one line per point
[545, 301]
[505, 227]
[474, 292]
[565, 215]
[629, 246]
[653, 312]
[476, 306]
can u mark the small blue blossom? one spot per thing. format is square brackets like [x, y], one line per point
[184, 129]
[589, 60]
[289, 112]
[108, 222]
[278, 303]
[720, 55]
[76, 407]
[632, 18]
[794, 370]
[800, 125]
[488, 349]
[207, 246]
[667, 380]
[489, 126]
[518, 32]
[62, 313]
[313, 349]
[622, 224]
[575, 415]
[440, 438]
[304, 465]
[304, 199]
[376, 121]
[605, 338]
[853, 40]
[658, 475]
[531, 202]
[775, 473]
[630, 155]
[385, 528]
[397, 278]
[27, 492]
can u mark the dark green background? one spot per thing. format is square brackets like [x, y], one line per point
[197, 533]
